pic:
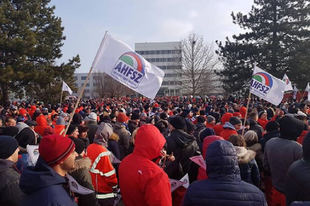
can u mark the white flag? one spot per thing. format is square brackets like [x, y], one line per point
[266, 86]
[288, 83]
[199, 161]
[129, 68]
[295, 92]
[307, 90]
[65, 87]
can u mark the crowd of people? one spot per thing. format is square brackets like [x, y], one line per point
[127, 151]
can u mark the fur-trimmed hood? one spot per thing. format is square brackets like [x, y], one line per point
[82, 163]
[244, 155]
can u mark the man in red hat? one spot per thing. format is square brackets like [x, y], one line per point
[46, 182]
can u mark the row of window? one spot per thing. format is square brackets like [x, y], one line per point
[173, 75]
[159, 52]
[170, 67]
[172, 83]
[164, 59]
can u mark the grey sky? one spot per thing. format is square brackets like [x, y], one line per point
[133, 21]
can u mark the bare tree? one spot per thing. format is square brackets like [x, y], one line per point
[199, 63]
[106, 86]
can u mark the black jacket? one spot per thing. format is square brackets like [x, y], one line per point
[224, 185]
[10, 194]
[183, 146]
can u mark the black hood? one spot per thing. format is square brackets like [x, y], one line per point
[290, 127]
[306, 147]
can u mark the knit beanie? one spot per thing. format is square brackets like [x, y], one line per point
[135, 116]
[210, 118]
[79, 144]
[272, 125]
[177, 122]
[71, 129]
[290, 127]
[55, 148]
[8, 145]
[235, 120]
[201, 119]
[121, 117]
[10, 131]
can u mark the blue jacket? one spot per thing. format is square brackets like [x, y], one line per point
[44, 187]
[224, 185]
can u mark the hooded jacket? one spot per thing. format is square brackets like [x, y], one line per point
[228, 129]
[283, 148]
[42, 124]
[81, 174]
[10, 193]
[248, 167]
[183, 146]
[219, 127]
[297, 183]
[202, 173]
[43, 186]
[224, 185]
[25, 135]
[124, 137]
[142, 182]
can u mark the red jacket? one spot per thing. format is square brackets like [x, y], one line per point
[102, 172]
[263, 122]
[202, 173]
[142, 182]
[219, 127]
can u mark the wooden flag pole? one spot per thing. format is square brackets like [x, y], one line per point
[61, 96]
[81, 92]
[246, 113]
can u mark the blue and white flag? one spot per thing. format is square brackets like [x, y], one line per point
[266, 86]
[119, 61]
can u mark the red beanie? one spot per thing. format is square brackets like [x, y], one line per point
[22, 112]
[121, 117]
[55, 148]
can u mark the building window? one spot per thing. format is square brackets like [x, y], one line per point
[83, 77]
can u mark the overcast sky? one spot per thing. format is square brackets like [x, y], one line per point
[136, 21]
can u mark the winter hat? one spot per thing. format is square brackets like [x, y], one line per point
[22, 112]
[210, 118]
[177, 122]
[55, 148]
[272, 125]
[190, 127]
[121, 117]
[63, 114]
[236, 114]
[103, 133]
[83, 128]
[8, 145]
[48, 131]
[91, 117]
[135, 116]
[201, 119]
[71, 129]
[290, 127]
[10, 131]
[163, 115]
[31, 123]
[235, 120]
[202, 112]
[79, 144]
[261, 113]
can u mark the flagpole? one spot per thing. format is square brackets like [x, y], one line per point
[61, 96]
[246, 112]
[81, 92]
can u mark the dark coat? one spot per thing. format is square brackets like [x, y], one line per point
[124, 137]
[268, 136]
[113, 147]
[224, 185]
[82, 176]
[10, 194]
[43, 186]
[199, 127]
[132, 125]
[257, 128]
[92, 128]
[183, 147]
[297, 182]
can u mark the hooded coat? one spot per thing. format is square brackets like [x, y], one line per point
[228, 129]
[42, 124]
[43, 186]
[248, 167]
[224, 185]
[297, 183]
[283, 148]
[219, 127]
[142, 182]
[9, 178]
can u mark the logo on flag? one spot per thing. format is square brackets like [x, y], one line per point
[261, 83]
[266, 86]
[130, 69]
